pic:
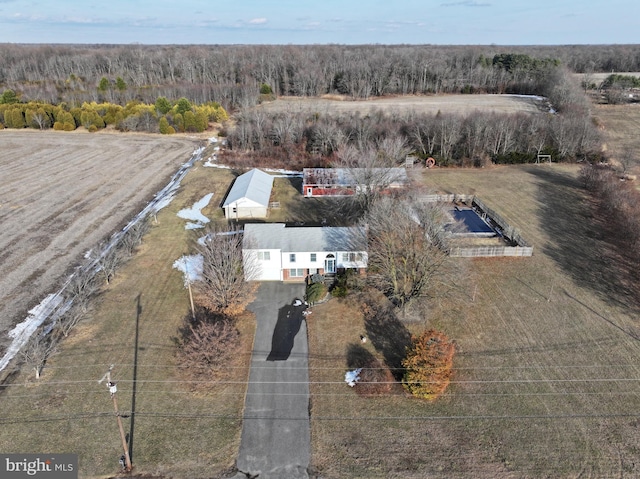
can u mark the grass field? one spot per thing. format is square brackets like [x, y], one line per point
[547, 369]
[462, 104]
[177, 432]
[621, 125]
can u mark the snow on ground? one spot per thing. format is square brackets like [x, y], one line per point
[190, 266]
[23, 331]
[198, 220]
[352, 377]
[210, 163]
[167, 198]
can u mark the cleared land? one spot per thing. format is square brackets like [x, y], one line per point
[419, 104]
[60, 194]
[548, 363]
[621, 124]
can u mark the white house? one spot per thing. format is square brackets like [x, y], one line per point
[276, 252]
[249, 196]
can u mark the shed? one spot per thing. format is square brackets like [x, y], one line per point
[249, 196]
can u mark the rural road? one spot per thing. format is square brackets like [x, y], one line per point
[275, 439]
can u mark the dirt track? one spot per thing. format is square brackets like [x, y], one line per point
[461, 104]
[60, 194]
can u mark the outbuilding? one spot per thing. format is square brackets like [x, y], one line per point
[319, 182]
[249, 196]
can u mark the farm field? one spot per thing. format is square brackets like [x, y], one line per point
[418, 104]
[548, 364]
[621, 125]
[179, 427]
[60, 194]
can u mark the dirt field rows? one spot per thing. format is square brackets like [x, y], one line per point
[60, 194]
[419, 104]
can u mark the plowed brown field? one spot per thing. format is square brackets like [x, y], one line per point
[60, 194]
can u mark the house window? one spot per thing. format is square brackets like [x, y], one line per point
[264, 255]
[313, 257]
[292, 258]
[296, 272]
[351, 257]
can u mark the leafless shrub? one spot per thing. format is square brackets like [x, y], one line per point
[72, 317]
[133, 237]
[207, 346]
[108, 261]
[375, 379]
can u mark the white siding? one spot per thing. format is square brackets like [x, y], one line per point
[265, 269]
[356, 259]
[245, 208]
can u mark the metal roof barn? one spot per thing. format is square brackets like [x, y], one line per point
[249, 196]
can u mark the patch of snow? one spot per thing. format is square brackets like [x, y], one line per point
[195, 212]
[23, 331]
[209, 164]
[533, 97]
[202, 241]
[213, 139]
[167, 198]
[193, 226]
[190, 266]
[352, 377]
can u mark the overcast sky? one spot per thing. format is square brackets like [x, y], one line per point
[503, 22]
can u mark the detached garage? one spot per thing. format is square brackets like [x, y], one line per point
[249, 196]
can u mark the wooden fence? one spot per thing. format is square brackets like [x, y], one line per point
[518, 247]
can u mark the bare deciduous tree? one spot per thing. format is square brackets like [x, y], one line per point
[223, 287]
[405, 247]
[108, 261]
[37, 351]
[369, 172]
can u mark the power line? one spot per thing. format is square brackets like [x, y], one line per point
[483, 417]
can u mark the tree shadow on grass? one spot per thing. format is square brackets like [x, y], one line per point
[386, 332]
[579, 242]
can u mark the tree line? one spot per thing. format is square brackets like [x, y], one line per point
[232, 75]
[475, 139]
[163, 116]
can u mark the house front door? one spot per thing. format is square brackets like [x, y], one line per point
[330, 264]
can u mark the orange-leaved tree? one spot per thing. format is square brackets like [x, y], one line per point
[428, 365]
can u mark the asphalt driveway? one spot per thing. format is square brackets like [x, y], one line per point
[276, 432]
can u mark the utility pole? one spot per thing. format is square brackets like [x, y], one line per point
[186, 269]
[112, 390]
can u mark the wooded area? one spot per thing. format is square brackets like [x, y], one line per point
[232, 75]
